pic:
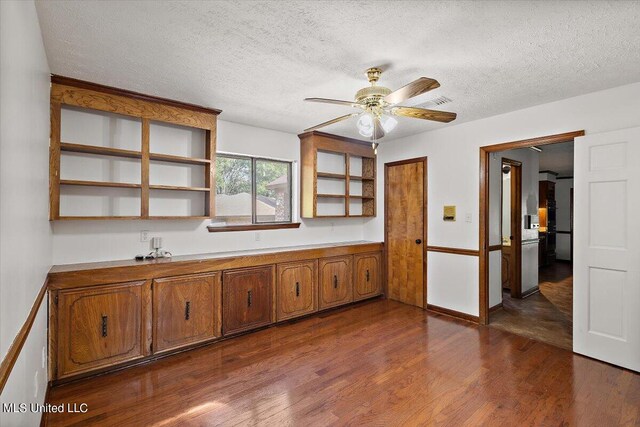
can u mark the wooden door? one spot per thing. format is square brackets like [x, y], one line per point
[515, 234]
[247, 299]
[606, 288]
[336, 281]
[186, 310]
[406, 230]
[297, 289]
[367, 282]
[506, 267]
[102, 326]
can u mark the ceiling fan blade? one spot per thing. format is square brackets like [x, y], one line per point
[415, 88]
[423, 113]
[335, 101]
[330, 122]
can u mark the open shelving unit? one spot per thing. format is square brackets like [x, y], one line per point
[338, 177]
[116, 154]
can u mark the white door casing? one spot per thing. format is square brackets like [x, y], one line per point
[606, 290]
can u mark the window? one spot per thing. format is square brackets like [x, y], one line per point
[252, 190]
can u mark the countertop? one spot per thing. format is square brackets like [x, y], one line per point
[68, 268]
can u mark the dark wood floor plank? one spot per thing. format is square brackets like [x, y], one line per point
[377, 363]
[546, 315]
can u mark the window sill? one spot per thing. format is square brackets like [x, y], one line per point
[252, 227]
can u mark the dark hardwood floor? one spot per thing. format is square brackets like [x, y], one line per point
[377, 363]
[546, 315]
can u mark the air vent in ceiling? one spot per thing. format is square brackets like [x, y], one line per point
[435, 102]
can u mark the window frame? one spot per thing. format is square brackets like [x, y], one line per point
[255, 224]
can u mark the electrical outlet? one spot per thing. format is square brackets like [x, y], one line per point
[468, 217]
[44, 357]
[35, 385]
[257, 236]
[144, 236]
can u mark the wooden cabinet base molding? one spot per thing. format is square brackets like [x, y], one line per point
[99, 322]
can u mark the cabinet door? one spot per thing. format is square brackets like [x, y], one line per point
[102, 326]
[367, 276]
[185, 310]
[297, 289]
[247, 300]
[336, 281]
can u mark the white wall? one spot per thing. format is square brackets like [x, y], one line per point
[25, 235]
[86, 241]
[563, 218]
[453, 174]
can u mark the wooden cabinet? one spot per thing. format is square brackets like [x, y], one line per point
[366, 279]
[247, 300]
[338, 176]
[297, 289]
[102, 326]
[96, 325]
[547, 216]
[186, 310]
[335, 281]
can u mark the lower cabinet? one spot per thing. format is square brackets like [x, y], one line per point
[186, 310]
[335, 281]
[367, 282]
[102, 326]
[247, 299]
[297, 289]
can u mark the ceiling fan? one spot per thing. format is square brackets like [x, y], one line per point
[378, 104]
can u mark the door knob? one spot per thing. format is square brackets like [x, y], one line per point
[418, 241]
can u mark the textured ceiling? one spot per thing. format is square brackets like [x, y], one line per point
[257, 60]
[557, 158]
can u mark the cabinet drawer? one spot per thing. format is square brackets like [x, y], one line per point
[335, 281]
[186, 310]
[367, 282]
[247, 300]
[297, 289]
[102, 326]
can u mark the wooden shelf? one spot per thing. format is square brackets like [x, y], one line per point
[198, 217]
[99, 184]
[82, 218]
[352, 163]
[332, 196]
[178, 159]
[104, 151]
[175, 188]
[330, 175]
[148, 111]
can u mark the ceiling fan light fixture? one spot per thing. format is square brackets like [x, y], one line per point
[388, 123]
[365, 125]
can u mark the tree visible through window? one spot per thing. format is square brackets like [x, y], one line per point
[252, 190]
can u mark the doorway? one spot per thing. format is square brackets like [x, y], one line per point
[405, 228]
[529, 201]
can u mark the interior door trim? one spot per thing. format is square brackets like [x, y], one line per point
[424, 224]
[484, 207]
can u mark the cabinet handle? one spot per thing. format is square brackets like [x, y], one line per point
[104, 326]
[187, 310]
[248, 298]
[335, 281]
[367, 275]
[297, 289]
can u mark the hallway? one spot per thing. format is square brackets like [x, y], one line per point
[545, 316]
